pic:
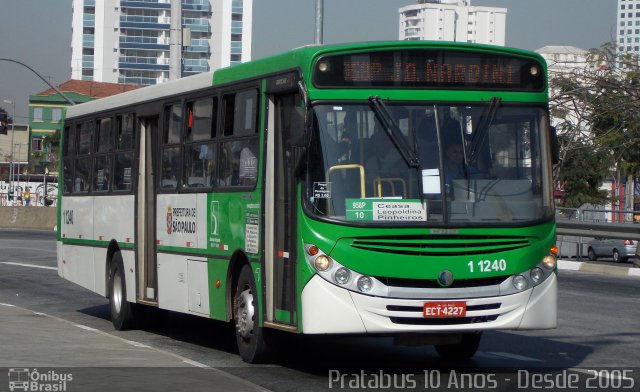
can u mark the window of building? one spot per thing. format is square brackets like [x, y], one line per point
[36, 144]
[37, 114]
[56, 115]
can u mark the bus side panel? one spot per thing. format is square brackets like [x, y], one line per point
[77, 265]
[181, 220]
[172, 282]
[112, 217]
[77, 227]
[110, 223]
[183, 284]
[77, 218]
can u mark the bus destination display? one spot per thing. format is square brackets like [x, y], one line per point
[429, 69]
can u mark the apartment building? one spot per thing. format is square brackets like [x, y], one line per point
[140, 42]
[453, 20]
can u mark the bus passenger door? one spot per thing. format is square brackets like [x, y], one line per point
[145, 213]
[280, 213]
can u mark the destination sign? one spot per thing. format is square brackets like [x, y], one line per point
[429, 68]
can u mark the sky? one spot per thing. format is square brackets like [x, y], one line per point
[38, 32]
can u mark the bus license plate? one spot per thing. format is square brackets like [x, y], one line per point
[444, 309]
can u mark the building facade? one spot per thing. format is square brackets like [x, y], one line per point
[132, 41]
[562, 58]
[628, 32]
[47, 111]
[453, 20]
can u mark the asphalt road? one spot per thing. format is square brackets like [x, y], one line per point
[599, 326]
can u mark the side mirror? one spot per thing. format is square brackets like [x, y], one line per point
[555, 145]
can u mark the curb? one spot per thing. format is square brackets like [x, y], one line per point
[602, 269]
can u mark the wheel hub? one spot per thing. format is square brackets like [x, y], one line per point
[244, 314]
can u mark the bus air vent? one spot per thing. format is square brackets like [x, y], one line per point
[440, 245]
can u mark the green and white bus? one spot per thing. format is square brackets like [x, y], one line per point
[388, 188]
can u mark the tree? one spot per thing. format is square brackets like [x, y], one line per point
[596, 109]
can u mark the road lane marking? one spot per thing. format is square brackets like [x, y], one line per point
[29, 265]
[136, 344]
[84, 327]
[196, 364]
[515, 356]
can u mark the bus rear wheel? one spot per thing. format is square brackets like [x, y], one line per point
[464, 350]
[249, 335]
[122, 311]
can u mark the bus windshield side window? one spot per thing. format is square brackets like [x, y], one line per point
[239, 152]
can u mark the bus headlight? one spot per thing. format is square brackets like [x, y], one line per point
[520, 282]
[549, 262]
[342, 276]
[322, 263]
[365, 284]
[537, 275]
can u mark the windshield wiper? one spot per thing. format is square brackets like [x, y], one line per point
[393, 130]
[486, 119]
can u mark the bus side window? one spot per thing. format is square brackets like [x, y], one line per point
[171, 160]
[123, 158]
[199, 152]
[239, 152]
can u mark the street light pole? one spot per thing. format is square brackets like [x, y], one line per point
[13, 120]
[319, 21]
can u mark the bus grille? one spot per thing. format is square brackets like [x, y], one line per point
[412, 320]
[440, 245]
[433, 284]
[443, 321]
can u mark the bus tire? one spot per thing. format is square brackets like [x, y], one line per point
[122, 311]
[464, 350]
[249, 335]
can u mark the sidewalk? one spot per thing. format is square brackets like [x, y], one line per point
[53, 351]
[601, 269]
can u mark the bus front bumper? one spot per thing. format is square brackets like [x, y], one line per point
[329, 309]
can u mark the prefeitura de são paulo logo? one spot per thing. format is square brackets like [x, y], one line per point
[169, 219]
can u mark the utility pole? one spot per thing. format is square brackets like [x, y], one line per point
[319, 21]
[175, 39]
[13, 131]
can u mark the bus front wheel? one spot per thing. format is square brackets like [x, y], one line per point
[121, 310]
[249, 335]
[464, 350]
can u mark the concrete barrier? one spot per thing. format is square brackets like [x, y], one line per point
[28, 217]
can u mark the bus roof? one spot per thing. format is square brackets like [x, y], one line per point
[300, 58]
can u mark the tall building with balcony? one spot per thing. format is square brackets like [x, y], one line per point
[130, 41]
[453, 20]
[628, 37]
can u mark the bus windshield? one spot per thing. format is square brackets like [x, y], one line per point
[453, 165]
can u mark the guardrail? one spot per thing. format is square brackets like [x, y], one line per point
[595, 223]
[625, 231]
[575, 228]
